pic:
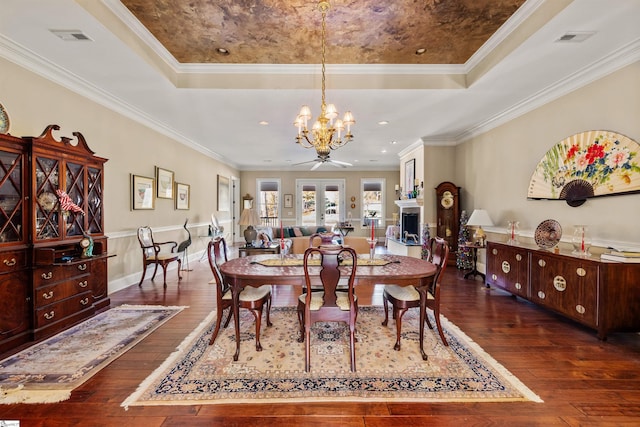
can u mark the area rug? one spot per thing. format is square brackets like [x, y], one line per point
[201, 374]
[47, 372]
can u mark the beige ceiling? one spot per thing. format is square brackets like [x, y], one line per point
[288, 32]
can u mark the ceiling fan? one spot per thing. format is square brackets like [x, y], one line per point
[324, 158]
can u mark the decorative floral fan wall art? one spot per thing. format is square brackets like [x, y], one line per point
[587, 164]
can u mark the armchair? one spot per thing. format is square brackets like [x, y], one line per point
[153, 255]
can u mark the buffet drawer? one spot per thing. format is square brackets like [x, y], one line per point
[12, 261]
[55, 273]
[46, 295]
[61, 309]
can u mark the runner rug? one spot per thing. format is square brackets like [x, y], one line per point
[201, 374]
[47, 372]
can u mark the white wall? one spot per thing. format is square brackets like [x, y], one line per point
[34, 102]
[494, 169]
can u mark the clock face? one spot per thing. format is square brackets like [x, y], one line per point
[84, 243]
[447, 200]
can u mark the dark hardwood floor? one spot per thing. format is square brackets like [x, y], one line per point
[583, 381]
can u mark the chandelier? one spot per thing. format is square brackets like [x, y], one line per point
[326, 132]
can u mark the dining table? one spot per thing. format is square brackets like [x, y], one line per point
[257, 270]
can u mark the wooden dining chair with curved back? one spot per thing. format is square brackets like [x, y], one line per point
[152, 254]
[252, 298]
[331, 304]
[403, 298]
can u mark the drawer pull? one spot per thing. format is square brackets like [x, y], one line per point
[82, 267]
[50, 315]
[47, 276]
[10, 262]
[48, 295]
[84, 301]
[83, 284]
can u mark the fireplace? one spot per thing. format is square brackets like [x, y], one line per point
[410, 224]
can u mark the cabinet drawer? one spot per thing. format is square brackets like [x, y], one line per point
[46, 295]
[61, 309]
[55, 273]
[12, 261]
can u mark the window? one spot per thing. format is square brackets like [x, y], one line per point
[373, 202]
[268, 201]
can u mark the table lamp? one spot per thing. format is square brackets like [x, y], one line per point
[249, 217]
[478, 218]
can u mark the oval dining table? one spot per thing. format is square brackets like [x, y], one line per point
[259, 270]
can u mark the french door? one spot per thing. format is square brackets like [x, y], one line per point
[320, 201]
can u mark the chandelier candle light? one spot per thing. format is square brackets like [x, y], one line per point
[326, 133]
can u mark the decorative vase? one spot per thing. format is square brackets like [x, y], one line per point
[513, 232]
[580, 241]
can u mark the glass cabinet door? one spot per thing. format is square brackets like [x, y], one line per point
[47, 176]
[74, 221]
[94, 206]
[11, 201]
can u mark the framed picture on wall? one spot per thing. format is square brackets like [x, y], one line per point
[288, 200]
[223, 194]
[164, 180]
[182, 196]
[409, 175]
[142, 189]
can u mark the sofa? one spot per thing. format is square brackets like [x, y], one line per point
[297, 238]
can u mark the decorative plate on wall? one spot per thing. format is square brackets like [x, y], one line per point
[548, 233]
[588, 164]
[4, 120]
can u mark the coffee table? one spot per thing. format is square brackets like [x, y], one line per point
[254, 250]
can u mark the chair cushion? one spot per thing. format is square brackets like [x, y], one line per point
[165, 256]
[249, 293]
[404, 293]
[317, 299]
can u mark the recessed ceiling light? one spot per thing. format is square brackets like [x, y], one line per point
[222, 51]
[383, 122]
[263, 122]
[420, 51]
[383, 151]
[393, 142]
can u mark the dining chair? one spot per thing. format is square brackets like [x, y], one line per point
[251, 298]
[330, 304]
[403, 298]
[152, 254]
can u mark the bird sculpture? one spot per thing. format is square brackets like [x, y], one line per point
[182, 247]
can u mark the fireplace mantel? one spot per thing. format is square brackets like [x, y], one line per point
[410, 203]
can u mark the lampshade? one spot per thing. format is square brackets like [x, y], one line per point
[249, 217]
[480, 217]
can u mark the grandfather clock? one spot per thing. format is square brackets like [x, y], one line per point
[448, 215]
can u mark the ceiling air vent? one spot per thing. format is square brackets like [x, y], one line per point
[71, 35]
[575, 36]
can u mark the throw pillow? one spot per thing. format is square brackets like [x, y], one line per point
[297, 232]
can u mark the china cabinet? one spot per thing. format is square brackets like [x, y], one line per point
[51, 194]
[602, 295]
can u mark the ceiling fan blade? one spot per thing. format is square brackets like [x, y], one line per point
[341, 163]
[316, 166]
[304, 163]
[338, 165]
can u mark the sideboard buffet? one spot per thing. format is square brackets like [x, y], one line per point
[53, 251]
[602, 295]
